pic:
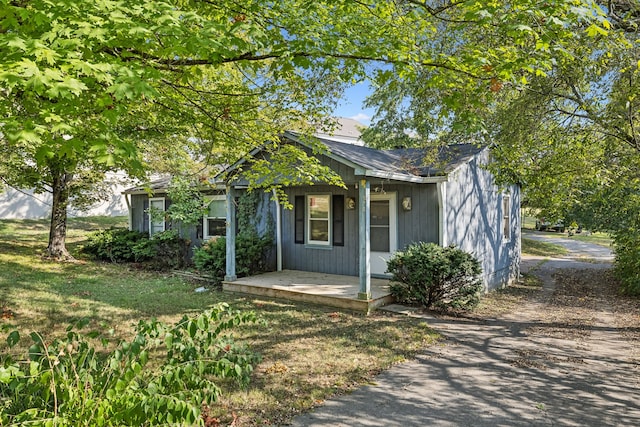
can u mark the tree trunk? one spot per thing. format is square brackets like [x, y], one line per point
[58, 229]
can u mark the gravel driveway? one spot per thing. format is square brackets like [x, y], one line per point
[562, 358]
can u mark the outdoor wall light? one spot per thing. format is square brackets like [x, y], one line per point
[406, 203]
[351, 203]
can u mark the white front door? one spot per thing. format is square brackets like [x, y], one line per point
[383, 232]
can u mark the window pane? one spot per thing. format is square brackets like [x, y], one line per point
[380, 212]
[319, 230]
[217, 209]
[319, 207]
[380, 239]
[216, 227]
[157, 204]
[156, 227]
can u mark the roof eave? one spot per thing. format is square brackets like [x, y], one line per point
[402, 177]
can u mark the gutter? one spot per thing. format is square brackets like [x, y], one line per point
[401, 177]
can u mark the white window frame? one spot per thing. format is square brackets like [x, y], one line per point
[308, 220]
[506, 217]
[150, 210]
[206, 217]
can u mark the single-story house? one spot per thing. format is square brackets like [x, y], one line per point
[391, 200]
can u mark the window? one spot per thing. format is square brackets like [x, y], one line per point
[156, 215]
[318, 219]
[506, 217]
[215, 220]
[380, 226]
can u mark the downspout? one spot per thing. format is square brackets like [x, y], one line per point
[442, 210]
[278, 232]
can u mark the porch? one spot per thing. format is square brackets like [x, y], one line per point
[317, 288]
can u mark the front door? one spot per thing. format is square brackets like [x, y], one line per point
[383, 231]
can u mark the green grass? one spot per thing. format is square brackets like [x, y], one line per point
[528, 222]
[602, 239]
[537, 248]
[310, 353]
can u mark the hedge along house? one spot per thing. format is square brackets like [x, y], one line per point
[391, 201]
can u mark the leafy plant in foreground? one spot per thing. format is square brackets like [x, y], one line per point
[434, 276]
[163, 376]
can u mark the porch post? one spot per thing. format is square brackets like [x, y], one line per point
[442, 210]
[364, 207]
[278, 232]
[231, 235]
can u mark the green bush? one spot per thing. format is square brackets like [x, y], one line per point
[164, 250]
[114, 245]
[251, 255]
[626, 244]
[162, 377]
[433, 276]
[211, 257]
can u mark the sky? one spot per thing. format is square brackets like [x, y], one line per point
[351, 104]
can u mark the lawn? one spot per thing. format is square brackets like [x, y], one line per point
[309, 353]
[602, 239]
[538, 248]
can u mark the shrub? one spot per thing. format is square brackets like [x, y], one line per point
[114, 245]
[162, 377]
[251, 255]
[627, 262]
[164, 250]
[211, 257]
[434, 276]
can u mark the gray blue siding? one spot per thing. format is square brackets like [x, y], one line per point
[474, 221]
[418, 224]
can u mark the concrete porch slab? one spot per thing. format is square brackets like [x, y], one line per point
[317, 288]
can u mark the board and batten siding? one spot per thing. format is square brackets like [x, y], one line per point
[474, 221]
[265, 220]
[421, 223]
[332, 259]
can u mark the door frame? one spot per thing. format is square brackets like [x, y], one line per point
[379, 259]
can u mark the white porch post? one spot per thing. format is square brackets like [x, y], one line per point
[364, 207]
[442, 201]
[278, 232]
[231, 236]
[129, 212]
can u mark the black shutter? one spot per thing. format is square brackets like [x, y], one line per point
[338, 220]
[298, 211]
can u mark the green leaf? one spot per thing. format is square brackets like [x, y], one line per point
[594, 30]
[13, 338]
[7, 374]
[121, 385]
[192, 328]
[144, 357]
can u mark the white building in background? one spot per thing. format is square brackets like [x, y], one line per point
[25, 204]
